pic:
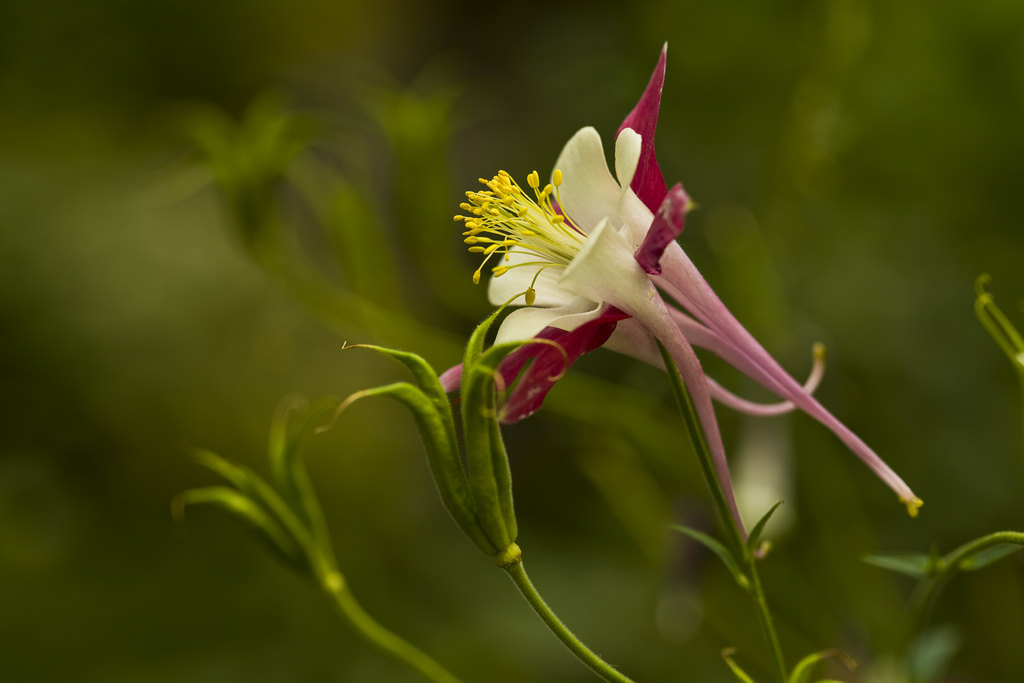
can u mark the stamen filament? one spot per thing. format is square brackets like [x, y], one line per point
[503, 220]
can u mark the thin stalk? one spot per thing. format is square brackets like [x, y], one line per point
[582, 652]
[740, 549]
[764, 618]
[381, 637]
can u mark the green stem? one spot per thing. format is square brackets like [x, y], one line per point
[582, 652]
[764, 618]
[946, 566]
[740, 549]
[408, 654]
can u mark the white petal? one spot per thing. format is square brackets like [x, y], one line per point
[627, 156]
[527, 322]
[605, 270]
[588, 193]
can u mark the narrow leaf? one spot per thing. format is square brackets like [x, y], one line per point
[718, 548]
[292, 422]
[755, 533]
[253, 487]
[988, 556]
[911, 564]
[251, 514]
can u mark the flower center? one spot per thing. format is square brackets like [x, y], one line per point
[504, 220]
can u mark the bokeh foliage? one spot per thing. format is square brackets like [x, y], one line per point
[856, 164]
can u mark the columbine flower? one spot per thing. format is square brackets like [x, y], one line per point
[593, 254]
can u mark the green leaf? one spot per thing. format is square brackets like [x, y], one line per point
[912, 564]
[755, 533]
[252, 515]
[988, 556]
[802, 671]
[718, 548]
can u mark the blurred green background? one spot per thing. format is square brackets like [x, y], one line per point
[857, 164]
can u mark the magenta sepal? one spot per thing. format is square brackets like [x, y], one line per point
[648, 183]
[668, 222]
[550, 362]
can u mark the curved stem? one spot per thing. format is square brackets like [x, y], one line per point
[381, 637]
[582, 652]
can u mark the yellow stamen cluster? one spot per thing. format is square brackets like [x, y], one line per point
[504, 220]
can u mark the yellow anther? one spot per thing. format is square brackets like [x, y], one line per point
[476, 277]
[504, 220]
[556, 177]
[531, 296]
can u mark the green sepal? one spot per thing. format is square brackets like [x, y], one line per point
[291, 423]
[988, 556]
[802, 671]
[252, 486]
[718, 548]
[740, 674]
[426, 379]
[755, 533]
[916, 565]
[443, 457]
[475, 345]
[253, 515]
[486, 466]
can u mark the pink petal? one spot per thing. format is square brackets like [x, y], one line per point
[550, 363]
[648, 183]
[683, 281]
[668, 222]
